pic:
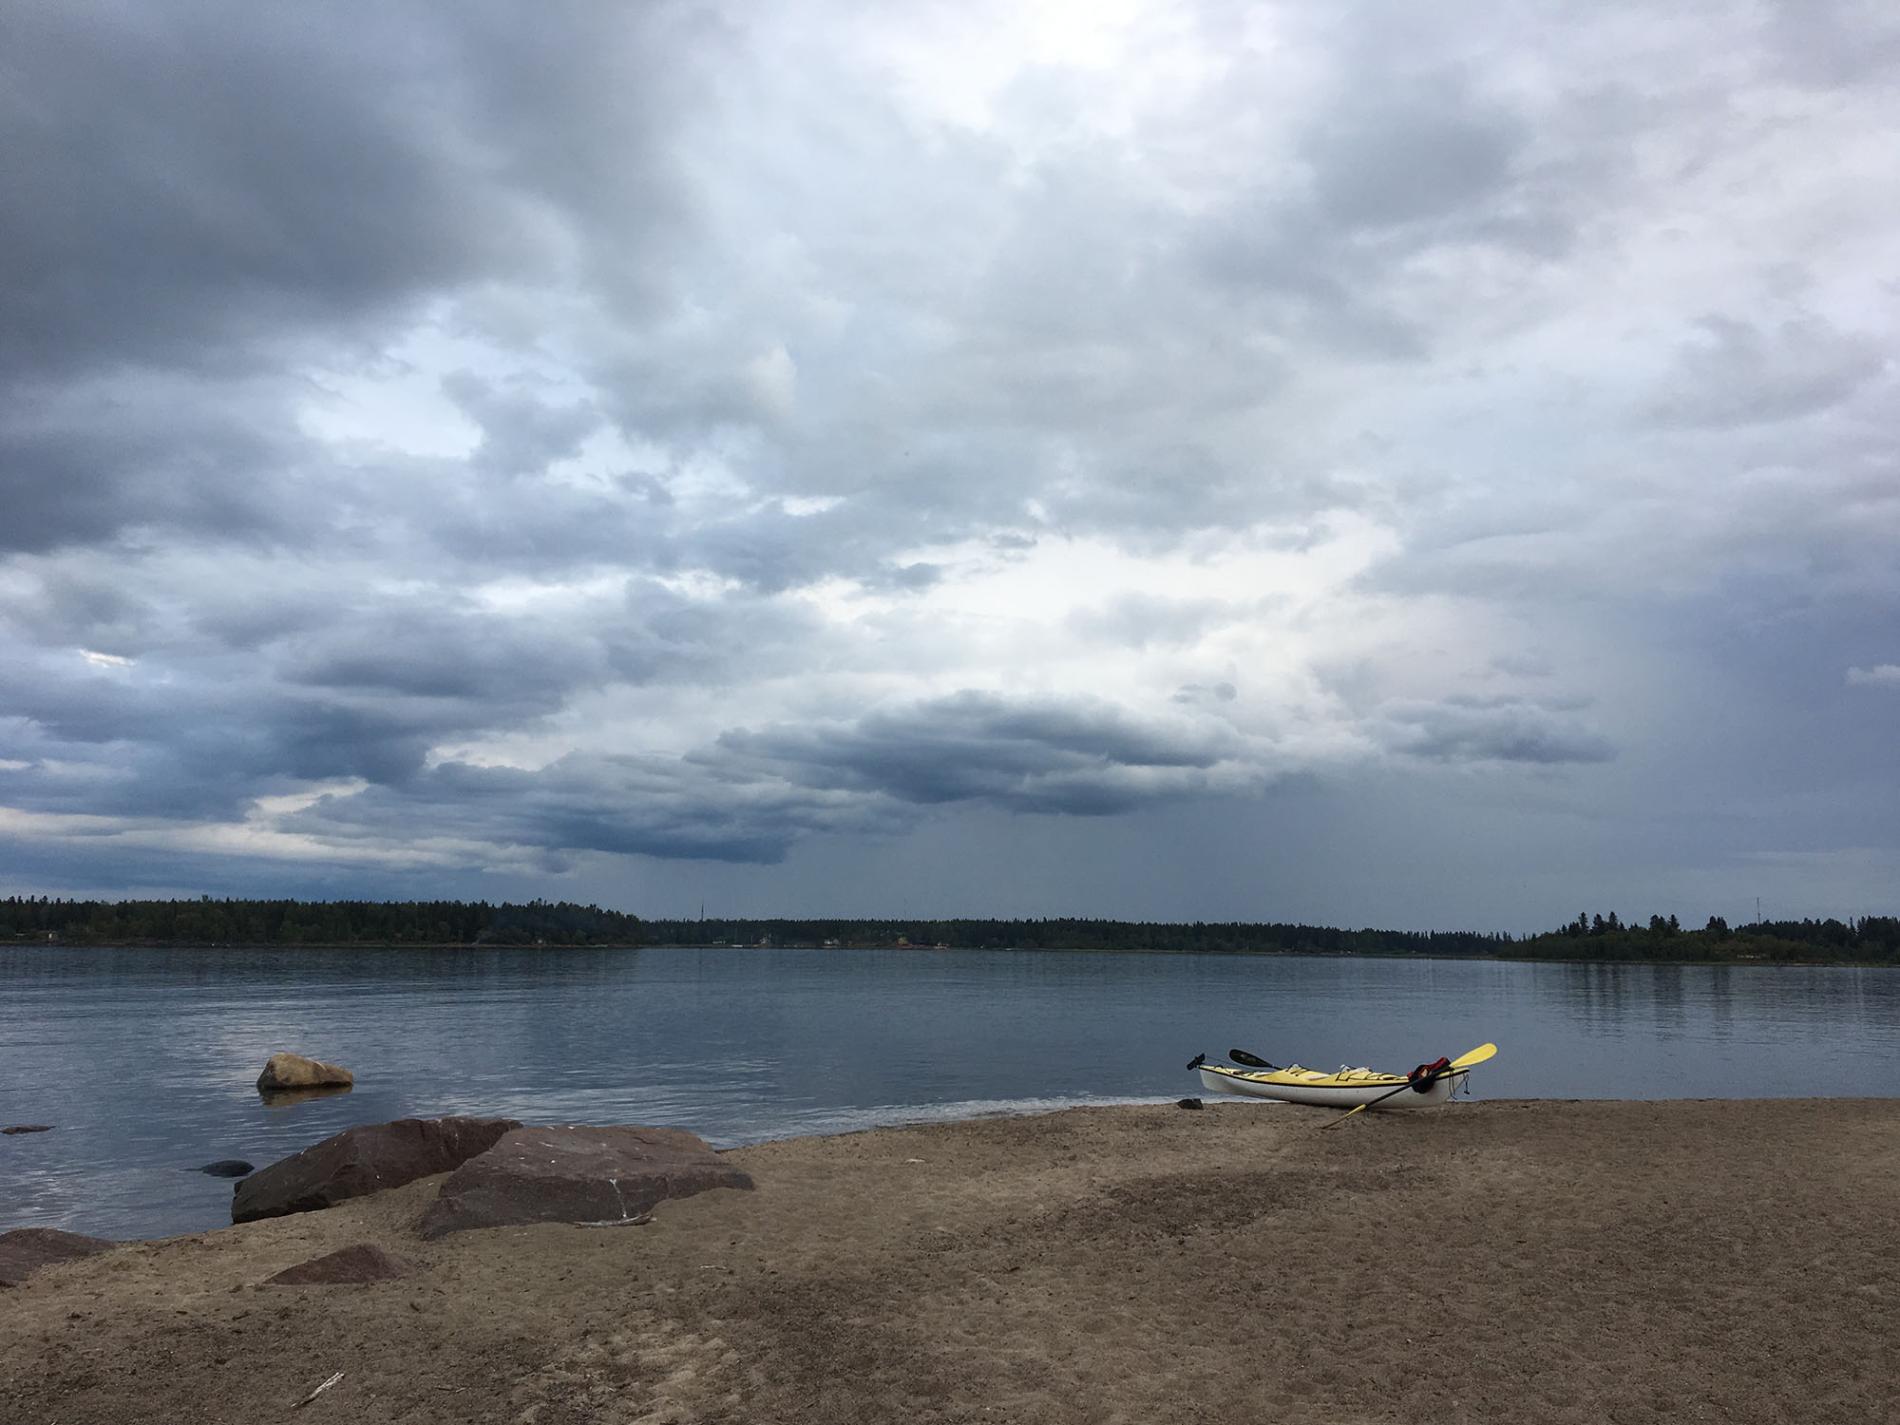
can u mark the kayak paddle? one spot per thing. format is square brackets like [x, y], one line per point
[1467, 1060]
[1252, 1061]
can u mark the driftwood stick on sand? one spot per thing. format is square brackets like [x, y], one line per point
[318, 1391]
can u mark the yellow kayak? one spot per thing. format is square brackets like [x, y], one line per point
[1346, 1088]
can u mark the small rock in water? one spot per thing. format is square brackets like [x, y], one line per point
[1188, 1103]
[28, 1128]
[228, 1168]
[294, 1071]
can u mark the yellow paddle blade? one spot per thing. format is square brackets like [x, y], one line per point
[1475, 1056]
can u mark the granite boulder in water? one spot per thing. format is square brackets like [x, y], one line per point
[363, 1160]
[577, 1175]
[294, 1071]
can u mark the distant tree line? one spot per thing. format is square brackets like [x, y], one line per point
[242, 922]
[1079, 934]
[1870, 940]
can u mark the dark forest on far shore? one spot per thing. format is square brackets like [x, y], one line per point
[39, 919]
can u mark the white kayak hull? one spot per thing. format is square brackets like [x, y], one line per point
[1245, 1083]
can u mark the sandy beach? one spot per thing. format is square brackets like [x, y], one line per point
[1627, 1262]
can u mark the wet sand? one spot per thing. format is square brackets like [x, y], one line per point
[1523, 1262]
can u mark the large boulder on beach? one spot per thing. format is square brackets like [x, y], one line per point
[293, 1071]
[577, 1175]
[363, 1160]
[348, 1266]
[25, 1250]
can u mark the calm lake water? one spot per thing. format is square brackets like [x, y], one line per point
[145, 1059]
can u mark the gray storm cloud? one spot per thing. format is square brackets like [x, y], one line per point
[793, 455]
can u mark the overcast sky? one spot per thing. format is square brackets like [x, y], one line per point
[1362, 463]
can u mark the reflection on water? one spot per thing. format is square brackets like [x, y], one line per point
[146, 1059]
[287, 1098]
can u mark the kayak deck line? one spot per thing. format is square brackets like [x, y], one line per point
[1300, 1074]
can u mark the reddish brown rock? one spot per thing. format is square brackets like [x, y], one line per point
[577, 1175]
[364, 1160]
[25, 1250]
[293, 1071]
[347, 1266]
